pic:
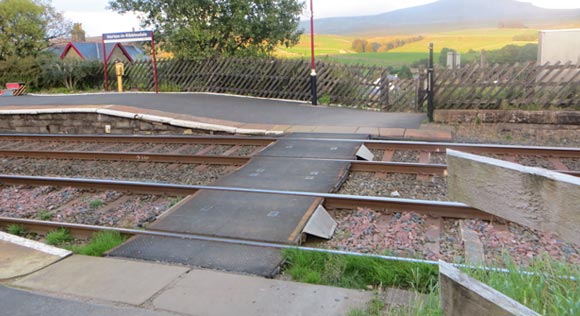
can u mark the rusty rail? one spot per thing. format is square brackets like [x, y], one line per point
[445, 209]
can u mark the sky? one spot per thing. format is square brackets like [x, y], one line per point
[96, 19]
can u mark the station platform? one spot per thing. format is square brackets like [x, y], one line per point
[232, 114]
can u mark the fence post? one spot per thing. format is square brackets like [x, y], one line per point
[431, 83]
[384, 89]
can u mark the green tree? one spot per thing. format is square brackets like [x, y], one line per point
[201, 28]
[77, 33]
[27, 26]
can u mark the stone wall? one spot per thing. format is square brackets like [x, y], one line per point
[87, 123]
[507, 116]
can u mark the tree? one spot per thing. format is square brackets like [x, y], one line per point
[26, 26]
[359, 45]
[77, 33]
[201, 28]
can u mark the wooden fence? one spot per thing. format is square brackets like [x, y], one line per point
[526, 85]
[354, 86]
[474, 86]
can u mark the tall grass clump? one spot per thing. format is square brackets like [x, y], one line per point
[100, 243]
[358, 272]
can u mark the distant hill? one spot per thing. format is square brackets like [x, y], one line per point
[444, 15]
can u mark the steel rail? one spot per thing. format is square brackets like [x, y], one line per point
[173, 139]
[125, 156]
[356, 165]
[331, 200]
[248, 140]
[86, 231]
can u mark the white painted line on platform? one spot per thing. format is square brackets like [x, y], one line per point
[162, 93]
[27, 243]
[144, 117]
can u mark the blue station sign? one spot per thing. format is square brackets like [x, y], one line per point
[122, 37]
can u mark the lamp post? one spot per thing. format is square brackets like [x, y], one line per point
[313, 64]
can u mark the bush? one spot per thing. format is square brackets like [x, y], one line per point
[27, 70]
[72, 74]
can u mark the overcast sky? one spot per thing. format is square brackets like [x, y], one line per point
[97, 20]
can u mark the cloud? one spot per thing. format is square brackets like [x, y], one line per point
[96, 23]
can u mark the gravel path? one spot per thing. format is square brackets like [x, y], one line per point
[397, 185]
[135, 171]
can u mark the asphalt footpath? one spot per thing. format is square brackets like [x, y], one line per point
[232, 108]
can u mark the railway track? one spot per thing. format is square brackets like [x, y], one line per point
[239, 150]
[421, 158]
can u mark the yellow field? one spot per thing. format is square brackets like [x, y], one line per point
[466, 40]
[462, 41]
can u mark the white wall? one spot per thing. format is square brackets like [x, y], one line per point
[559, 45]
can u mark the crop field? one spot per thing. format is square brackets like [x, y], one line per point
[466, 40]
[339, 48]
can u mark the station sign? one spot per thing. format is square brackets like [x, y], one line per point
[124, 37]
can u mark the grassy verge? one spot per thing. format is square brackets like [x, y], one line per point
[358, 272]
[100, 243]
[552, 288]
[549, 291]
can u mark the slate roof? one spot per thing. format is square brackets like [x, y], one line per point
[94, 50]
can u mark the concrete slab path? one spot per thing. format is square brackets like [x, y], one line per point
[171, 289]
[223, 294]
[21, 303]
[103, 278]
[234, 108]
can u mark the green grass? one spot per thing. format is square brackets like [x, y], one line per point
[323, 45]
[58, 237]
[358, 272]
[374, 308]
[96, 203]
[380, 59]
[548, 292]
[100, 243]
[43, 215]
[16, 229]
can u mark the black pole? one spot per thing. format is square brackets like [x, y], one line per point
[313, 87]
[431, 83]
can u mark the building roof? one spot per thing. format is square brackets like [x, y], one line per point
[94, 51]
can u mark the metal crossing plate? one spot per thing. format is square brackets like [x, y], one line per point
[205, 254]
[288, 174]
[249, 216]
[311, 149]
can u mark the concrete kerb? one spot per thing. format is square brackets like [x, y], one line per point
[145, 117]
[35, 245]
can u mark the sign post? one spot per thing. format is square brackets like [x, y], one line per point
[125, 37]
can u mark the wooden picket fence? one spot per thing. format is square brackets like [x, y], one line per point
[473, 86]
[353, 86]
[525, 85]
